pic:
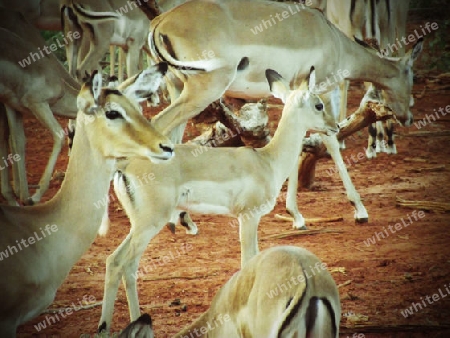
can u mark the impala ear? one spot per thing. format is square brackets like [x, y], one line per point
[87, 99]
[96, 87]
[278, 86]
[145, 84]
[414, 53]
[312, 79]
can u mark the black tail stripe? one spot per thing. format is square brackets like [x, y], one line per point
[294, 310]
[162, 58]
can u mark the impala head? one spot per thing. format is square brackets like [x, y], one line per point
[398, 96]
[304, 101]
[113, 120]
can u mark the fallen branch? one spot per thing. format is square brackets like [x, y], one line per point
[81, 307]
[345, 283]
[311, 220]
[428, 169]
[427, 133]
[424, 205]
[393, 328]
[301, 233]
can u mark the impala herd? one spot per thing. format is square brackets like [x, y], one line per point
[292, 60]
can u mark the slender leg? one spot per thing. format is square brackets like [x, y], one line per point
[112, 60]
[332, 145]
[6, 188]
[371, 144]
[248, 235]
[291, 199]
[380, 145]
[45, 116]
[391, 147]
[17, 141]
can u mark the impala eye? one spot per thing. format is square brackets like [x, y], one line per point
[113, 114]
[319, 106]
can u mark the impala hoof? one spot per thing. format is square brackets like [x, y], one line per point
[362, 220]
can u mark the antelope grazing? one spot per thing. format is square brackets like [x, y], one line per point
[242, 182]
[39, 86]
[40, 244]
[300, 299]
[251, 38]
[101, 24]
[384, 22]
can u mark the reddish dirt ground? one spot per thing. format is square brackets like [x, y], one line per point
[379, 280]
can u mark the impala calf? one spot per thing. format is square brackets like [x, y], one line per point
[104, 134]
[243, 307]
[227, 181]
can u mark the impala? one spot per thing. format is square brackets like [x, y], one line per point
[384, 22]
[240, 57]
[299, 299]
[109, 126]
[101, 24]
[242, 182]
[42, 88]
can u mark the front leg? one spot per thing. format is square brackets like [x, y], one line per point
[332, 145]
[291, 199]
[248, 235]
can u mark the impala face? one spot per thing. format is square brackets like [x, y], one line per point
[120, 120]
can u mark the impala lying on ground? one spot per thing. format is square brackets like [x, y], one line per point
[40, 244]
[242, 182]
[41, 88]
[249, 40]
[299, 299]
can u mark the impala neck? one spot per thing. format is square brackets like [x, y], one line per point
[286, 144]
[362, 64]
[77, 209]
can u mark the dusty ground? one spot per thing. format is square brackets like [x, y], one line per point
[380, 280]
[384, 278]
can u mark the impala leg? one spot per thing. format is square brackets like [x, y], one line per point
[123, 263]
[248, 236]
[371, 144]
[291, 199]
[380, 146]
[391, 147]
[45, 116]
[332, 145]
[189, 103]
[17, 142]
[132, 60]
[343, 89]
[6, 188]
[99, 46]
[112, 61]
